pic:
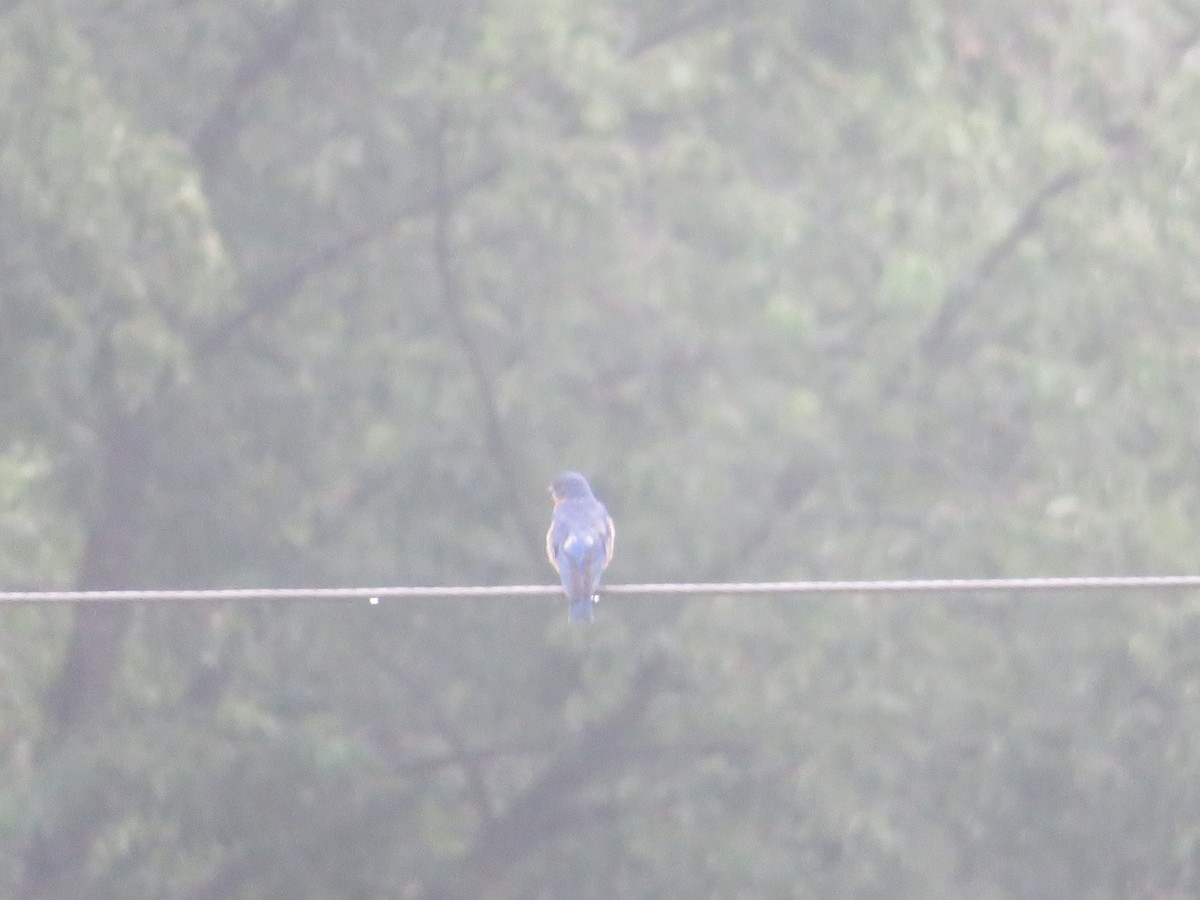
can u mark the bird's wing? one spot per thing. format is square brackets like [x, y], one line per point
[552, 547]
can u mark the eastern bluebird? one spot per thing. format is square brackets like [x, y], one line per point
[579, 542]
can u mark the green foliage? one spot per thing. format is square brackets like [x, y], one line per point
[300, 293]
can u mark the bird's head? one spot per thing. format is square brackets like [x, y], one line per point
[570, 486]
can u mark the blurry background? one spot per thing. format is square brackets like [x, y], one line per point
[302, 294]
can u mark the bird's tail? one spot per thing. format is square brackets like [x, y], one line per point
[579, 578]
[581, 609]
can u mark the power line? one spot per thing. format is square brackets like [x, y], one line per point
[374, 594]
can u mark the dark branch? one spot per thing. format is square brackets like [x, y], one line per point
[793, 485]
[683, 22]
[278, 40]
[271, 296]
[961, 296]
[81, 690]
[454, 307]
[535, 814]
[547, 807]
[1175, 58]
[98, 635]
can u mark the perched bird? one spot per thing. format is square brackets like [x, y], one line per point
[579, 542]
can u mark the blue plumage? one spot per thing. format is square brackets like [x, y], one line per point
[579, 542]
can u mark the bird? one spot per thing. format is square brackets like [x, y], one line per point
[579, 542]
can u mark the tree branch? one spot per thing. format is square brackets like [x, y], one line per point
[466, 758]
[685, 21]
[92, 657]
[933, 345]
[960, 297]
[214, 137]
[98, 632]
[548, 806]
[270, 296]
[454, 308]
[535, 813]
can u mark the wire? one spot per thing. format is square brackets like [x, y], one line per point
[375, 594]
